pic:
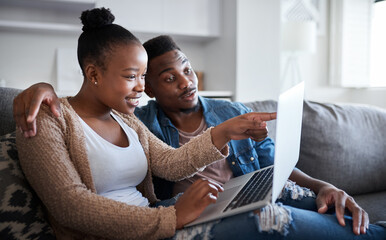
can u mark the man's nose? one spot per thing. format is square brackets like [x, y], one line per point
[185, 82]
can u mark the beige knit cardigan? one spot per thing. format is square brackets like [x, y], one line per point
[56, 165]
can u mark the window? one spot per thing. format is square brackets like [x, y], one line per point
[358, 49]
[378, 45]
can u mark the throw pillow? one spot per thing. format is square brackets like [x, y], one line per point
[21, 214]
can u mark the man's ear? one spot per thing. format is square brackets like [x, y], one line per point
[148, 89]
[91, 74]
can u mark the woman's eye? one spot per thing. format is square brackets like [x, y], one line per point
[131, 77]
[143, 76]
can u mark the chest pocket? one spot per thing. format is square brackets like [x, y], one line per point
[248, 157]
[248, 161]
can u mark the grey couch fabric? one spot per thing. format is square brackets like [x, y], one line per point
[6, 101]
[342, 144]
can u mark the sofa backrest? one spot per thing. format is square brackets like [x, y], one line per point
[7, 123]
[341, 144]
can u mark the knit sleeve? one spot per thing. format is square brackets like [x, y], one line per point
[175, 164]
[50, 162]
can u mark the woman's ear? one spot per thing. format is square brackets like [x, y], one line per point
[148, 89]
[91, 74]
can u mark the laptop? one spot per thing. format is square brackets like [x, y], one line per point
[259, 188]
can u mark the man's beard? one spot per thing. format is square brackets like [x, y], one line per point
[193, 109]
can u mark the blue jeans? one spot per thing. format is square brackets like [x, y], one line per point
[294, 216]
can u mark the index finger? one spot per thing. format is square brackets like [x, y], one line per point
[263, 116]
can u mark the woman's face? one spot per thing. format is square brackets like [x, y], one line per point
[121, 83]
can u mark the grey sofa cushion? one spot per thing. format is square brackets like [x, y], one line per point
[6, 101]
[345, 145]
[341, 144]
[21, 214]
[374, 204]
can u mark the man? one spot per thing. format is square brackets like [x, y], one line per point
[178, 114]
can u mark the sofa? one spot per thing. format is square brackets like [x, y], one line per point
[344, 144]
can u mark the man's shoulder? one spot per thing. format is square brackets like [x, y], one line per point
[145, 111]
[225, 105]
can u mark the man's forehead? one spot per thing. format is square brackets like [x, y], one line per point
[170, 58]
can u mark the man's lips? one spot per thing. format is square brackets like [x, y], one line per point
[188, 93]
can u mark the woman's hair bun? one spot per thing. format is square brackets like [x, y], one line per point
[96, 18]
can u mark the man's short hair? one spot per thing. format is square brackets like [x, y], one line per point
[159, 45]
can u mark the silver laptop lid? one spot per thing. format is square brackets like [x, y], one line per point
[288, 131]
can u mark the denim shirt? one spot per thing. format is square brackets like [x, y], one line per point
[244, 155]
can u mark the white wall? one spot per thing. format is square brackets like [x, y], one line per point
[258, 50]
[27, 58]
[244, 59]
[220, 53]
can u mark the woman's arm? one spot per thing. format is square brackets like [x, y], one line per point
[55, 163]
[176, 164]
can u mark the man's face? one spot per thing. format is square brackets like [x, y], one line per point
[172, 81]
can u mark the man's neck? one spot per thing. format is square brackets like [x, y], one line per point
[186, 121]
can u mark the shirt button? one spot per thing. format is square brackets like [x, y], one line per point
[252, 158]
[233, 163]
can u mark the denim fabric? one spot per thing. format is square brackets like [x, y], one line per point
[244, 155]
[279, 222]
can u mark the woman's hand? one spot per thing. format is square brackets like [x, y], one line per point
[26, 106]
[194, 200]
[241, 127]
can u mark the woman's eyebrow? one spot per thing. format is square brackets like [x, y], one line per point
[131, 69]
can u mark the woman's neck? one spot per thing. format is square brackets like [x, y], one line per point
[87, 105]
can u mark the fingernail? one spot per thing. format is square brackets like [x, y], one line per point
[25, 134]
[30, 133]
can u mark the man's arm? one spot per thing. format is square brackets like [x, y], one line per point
[328, 195]
[26, 106]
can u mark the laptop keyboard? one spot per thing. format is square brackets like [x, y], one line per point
[254, 190]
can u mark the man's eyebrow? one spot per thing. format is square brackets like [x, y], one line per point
[165, 70]
[184, 60]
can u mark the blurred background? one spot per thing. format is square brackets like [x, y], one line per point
[243, 50]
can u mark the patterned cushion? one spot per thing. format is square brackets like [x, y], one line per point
[21, 215]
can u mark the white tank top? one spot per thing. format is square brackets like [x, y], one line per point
[117, 171]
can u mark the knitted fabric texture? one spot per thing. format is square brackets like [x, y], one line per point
[55, 164]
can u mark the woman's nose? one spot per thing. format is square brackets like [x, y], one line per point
[140, 87]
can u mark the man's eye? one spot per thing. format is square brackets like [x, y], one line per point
[170, 79]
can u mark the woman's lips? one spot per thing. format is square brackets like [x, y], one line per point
[133, 101]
